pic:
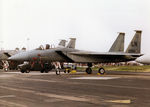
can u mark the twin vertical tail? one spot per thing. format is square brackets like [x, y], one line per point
[72, 43]
[135, 44]
[118, 45]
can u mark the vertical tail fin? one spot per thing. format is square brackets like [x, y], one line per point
[135, 44]
[118, 45]
[62, 43]
[72, 43]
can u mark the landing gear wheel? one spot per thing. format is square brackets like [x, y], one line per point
[46, 71]
[88, 70]
[101, 71]
[42, 71]
[27, 71]
[68, 71]
[6, 69]
[22, 71]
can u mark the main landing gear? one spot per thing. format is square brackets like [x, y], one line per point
[89, 69]
[101, 70]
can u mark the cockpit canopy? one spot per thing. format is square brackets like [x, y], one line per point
[41, 47]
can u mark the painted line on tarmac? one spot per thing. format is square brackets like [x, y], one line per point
[51, 95]
[11, 104]
[5, 76]
[37, 80]
[95, 78]
[119, 101]
[7, 96]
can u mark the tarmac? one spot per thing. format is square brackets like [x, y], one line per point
[35, 89]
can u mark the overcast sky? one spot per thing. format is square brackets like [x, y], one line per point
[94, 23]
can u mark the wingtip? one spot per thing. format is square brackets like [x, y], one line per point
[138, 31]
[121, 33]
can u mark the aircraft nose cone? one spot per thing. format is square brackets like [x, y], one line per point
[14, 58]
[11, 58]
[18, 57]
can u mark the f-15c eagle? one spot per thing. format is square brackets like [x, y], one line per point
[72, 55]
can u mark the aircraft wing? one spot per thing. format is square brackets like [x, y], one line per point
[106, 53]
[105, 57]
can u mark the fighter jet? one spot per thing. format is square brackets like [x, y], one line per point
[79, 56]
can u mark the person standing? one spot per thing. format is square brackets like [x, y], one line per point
[57, 67]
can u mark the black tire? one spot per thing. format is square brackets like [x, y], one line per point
[65, 71]
[42, 71]
[6, 69]
[68, 71]
[101, 71]
[46, 71]
[88, 70]
[27, 71]
[22, 71]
